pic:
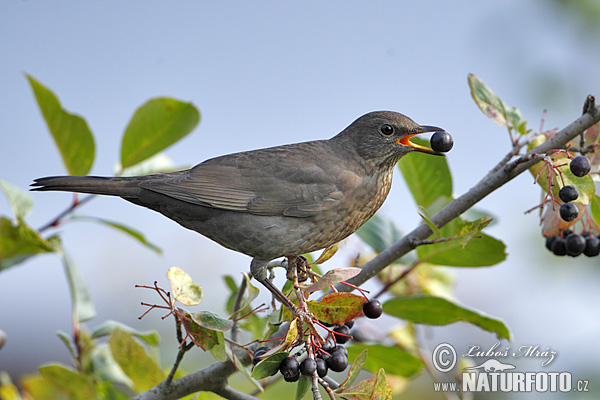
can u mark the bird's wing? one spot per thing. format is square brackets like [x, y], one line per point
[272, 181]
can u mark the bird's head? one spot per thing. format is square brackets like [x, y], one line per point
[384, 136]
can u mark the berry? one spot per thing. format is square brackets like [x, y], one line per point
[566, 233]
[580, 166]
[349, 324]
[549, 241]
[337, 362]
[558, 247]
[344, 334]
[372, 309]
[342, 349]
[568, 212]
[321, 368]
[290, 369]
[592, 246]
[575, 244]
[258, 353]
[441, 142]
[568, 193]
[329, 346]
[308, 366]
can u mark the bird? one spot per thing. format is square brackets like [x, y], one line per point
[275, 202]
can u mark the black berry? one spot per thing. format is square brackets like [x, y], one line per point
[308, 366]
[337, 362]
[568, 212]
[341, 333]
[580, 166]
[372, 309]
[258, 353]
[575, 244]
[592, 246]
[566, 233]
[568, 193]
[558, 247]
[290, 369]
[349, 324]
[549, 241]
[321, 368]
[441, 142]
[342, 349]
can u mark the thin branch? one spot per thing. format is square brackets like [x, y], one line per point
[230, 393]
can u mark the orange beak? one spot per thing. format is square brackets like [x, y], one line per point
[405, 140]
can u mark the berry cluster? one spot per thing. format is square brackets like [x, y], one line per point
[573, 244]
[331, 356]
[567, 242]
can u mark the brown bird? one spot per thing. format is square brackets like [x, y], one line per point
[280, 201]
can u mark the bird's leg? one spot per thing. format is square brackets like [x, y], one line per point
[258, 267]
[297, 266]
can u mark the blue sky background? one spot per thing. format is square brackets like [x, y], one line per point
[270, 73]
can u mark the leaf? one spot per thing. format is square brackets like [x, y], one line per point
[159, 162]
[333, 277]
[18, 242]
[134, 361]
[71, 132]
[251, 293]
[304, 383]
[211, 321]
[150, 337]
[337, 308]
[370, 389]
[327, 253]
[394, 359]
[83, 305]
[595, 207]
[379, 233]
[584, 185]
[269, 366]
[494, 108]
[355, 369]
[20, 201]
[156, 125]
[427, 177]
[137, 235]
[431, 310]
[478, 252]
[73, 384]
[202, 337]
[183, 288]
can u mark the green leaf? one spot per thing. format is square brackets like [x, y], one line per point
[393, 359]
[20, 201]
[156, 125]
[431, 310]
[74, 385]
[269, 366]
[251, 292]
[302, 387]
[183, 288]
[465, 251]
[355, 369]
[327, 253]
[595, 207]
[494, 108]
[337, 308]
[159, 162]
[137, 235]
[134, 361]
[333, 277]
[151, 337]
[18, 242]
[379, 233]
[71, 133]
[211, 321]
[83, 305]
[427, 177]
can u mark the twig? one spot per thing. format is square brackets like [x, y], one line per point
[76, 203]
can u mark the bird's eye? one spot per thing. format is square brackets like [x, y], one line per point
[387, 130]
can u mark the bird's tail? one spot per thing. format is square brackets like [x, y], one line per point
[123, 187]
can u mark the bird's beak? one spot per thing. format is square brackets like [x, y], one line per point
[405, 140]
